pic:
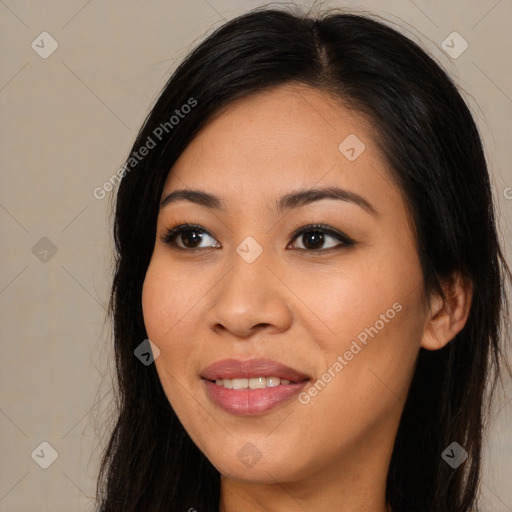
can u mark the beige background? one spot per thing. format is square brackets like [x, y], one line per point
[67, 123]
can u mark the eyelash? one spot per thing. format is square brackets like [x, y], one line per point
[171, 233]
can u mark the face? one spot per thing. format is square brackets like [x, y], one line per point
[322, 290]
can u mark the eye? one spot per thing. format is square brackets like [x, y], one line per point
[189, 235]
[315, 236]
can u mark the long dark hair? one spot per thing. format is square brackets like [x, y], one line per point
[430, 140]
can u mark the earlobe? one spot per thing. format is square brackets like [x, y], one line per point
[447, 318]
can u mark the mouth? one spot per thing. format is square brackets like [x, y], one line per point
[254, 386]
[254, 382]
[254, 371]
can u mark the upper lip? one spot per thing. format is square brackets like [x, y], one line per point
[247, 368]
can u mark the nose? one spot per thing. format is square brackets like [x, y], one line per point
[250, 298]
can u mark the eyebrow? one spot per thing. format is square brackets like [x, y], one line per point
[284, 203]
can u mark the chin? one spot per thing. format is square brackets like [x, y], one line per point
[256, 471]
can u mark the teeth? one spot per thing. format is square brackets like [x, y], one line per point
[273, 381]
[257, 382]
[240, 383]
[252, 383]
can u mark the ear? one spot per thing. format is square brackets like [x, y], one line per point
[446, 318]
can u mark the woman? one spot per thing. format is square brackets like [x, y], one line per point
[305, 232]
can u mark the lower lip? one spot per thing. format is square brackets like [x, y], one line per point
[245, 402]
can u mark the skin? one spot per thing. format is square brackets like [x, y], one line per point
[295, 305]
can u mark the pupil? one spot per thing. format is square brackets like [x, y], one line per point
[188, 240]
[314, 238]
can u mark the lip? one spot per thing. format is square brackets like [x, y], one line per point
[251, 401]
[235, 368]
[248, 402]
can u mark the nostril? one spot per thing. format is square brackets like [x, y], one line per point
[262, 324]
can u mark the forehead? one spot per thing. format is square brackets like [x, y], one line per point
[291, 136]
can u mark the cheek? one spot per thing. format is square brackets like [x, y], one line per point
[156, 306]
[345, 302]
[168, 299]
[167, 303]
[372, 316]
[362, 385]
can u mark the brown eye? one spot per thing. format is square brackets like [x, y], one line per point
[314, 238]
[188, 237]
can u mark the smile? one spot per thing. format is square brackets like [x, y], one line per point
[251, 383]
[242, 400]
[251, 386]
